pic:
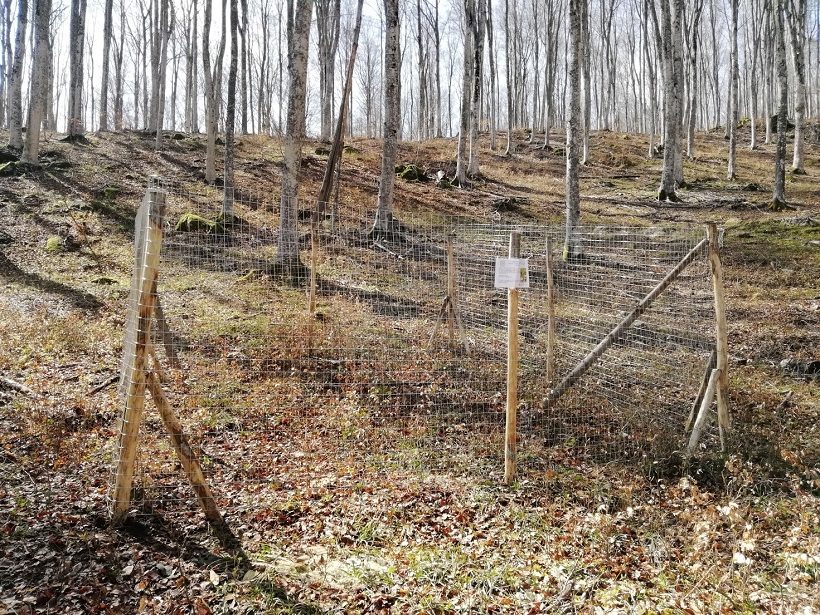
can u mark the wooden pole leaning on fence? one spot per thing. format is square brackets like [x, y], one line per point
[613, 336]
[511, 423]
[550, 316]
[136, 369]
[449, 308]
[721, 332]
[708, 397]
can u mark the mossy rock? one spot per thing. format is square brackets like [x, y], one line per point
[411, 173]
[349, 149]
[54, 244]
[191, 222]
[111, 193]
[322, 151]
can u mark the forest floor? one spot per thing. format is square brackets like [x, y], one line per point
[738, 532]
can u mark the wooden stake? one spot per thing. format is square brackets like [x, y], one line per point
[314, 248]
[189, 462]
[511, 426]
[614, 335]
[451, 289]
[708, 397]
[147, 270]
[710, 365]
[550, 317]
[721, 332]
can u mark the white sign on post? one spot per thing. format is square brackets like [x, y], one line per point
[512, 272]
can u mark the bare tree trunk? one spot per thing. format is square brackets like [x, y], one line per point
[586, 62]
[213, 77]
[493, 99]
[671, 88]
[16, 80]
[797, 25]
[462, 145]
[574, 133]
[693, 80]
[107, 34]
[732, 118]
[163, 32]
[779, 195]
[298, 43]
[478, 61]
[243, 87]
[392, 58]
[75, 87]
[230, 117]
[39, 80]
[119, 76]
[507, 51]
[328, 14]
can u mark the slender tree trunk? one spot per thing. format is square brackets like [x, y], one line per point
[108, 26]
[671, 89]
[797, 25]
[16, 80]
[508, 66]
[586, 63]
[161, 69]
[462, 145]
[574, 133]
[392, 94]
[478, 61]
[213, 77]
[493, 99]
[243, 87]
[75, 87]
[779, 195]
[298, 43]
[230, 117]
[39, 80]
[732, 117]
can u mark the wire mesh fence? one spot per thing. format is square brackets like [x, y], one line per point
[398, 354]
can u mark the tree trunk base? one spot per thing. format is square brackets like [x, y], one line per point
[778, 205]
[670, 197]
[799, 171]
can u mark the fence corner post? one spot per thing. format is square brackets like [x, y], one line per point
[511, 423]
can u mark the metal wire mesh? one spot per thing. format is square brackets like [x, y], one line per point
[378, 374]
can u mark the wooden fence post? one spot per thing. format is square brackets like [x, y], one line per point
[149, 242]
[550, 317]
[511, 425]
[721, 333]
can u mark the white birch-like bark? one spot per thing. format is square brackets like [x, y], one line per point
[299, 41]
[732, 118]
[797, 26]
[108, 26]
[392, 59]
[75, 86]
[574, 134]
[230, 118]
[478, 61]
[16, 79]
[39, 80]
[779, 193]
[213, 78]
[462, 145]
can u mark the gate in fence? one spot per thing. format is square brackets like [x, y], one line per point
[441, 342]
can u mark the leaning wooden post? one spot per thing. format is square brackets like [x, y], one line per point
[511, 426]
[550, 316]
[138, 339]
[314, 248]
[189, 462]
[721, 333]
[451, 289]
[703, 413]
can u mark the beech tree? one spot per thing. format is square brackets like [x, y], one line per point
[779, 195]
[732, 118]
[796, 11]
[39, 80]
[213, 80]
[392, 97]
[328, 14]
[16, 79]
[230, 118]
[76, 126]
[298, 44]
[574, 133]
